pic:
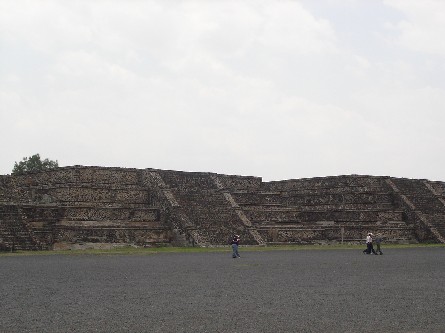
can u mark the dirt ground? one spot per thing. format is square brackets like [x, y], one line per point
[272, 291]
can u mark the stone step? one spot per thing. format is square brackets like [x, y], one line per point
[109, 224]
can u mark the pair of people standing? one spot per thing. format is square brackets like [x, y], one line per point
[235, 244]
[369, 244]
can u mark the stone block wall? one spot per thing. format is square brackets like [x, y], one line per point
[316, 210]
[95, 206]
[87, 205]
[242, 183]
[80, 175]
[14, 232]
[332, 234]
[76, 195]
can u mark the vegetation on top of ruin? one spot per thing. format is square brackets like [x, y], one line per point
[33, 163]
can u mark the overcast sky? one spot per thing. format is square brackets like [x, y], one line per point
[277, 89]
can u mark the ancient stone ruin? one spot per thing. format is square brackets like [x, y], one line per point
[80, 207]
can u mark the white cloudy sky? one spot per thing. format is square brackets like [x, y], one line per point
[278, 89]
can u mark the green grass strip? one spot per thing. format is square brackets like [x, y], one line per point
[129, 250]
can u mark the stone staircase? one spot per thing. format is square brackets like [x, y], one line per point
[206, 207]
[425, 205]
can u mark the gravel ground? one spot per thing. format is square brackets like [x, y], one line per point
[272, 291]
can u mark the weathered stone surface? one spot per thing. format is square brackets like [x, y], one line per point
[94, 205]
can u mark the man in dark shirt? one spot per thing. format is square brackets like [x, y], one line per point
[235, 243]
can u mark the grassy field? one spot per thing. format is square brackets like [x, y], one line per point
[129, 250]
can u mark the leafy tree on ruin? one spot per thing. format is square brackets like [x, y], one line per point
[33, 163]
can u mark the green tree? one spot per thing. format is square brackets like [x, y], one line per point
[33, 163]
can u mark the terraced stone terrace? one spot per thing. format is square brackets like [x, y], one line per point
[74, 207]
[326, 209]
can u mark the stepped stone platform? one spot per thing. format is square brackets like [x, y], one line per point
[79, 206]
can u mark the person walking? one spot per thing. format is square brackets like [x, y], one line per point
[235, 244]
[378, 241]
[369, 247]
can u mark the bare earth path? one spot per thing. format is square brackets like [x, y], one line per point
[272, 291]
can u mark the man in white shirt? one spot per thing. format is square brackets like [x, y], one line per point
[369, 247]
